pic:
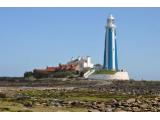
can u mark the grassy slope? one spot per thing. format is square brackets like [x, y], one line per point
[104, 72]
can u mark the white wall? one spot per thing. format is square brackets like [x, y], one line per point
[116, 76]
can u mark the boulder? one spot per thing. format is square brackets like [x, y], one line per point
[114, 103]
[144, 106]
[135, 109]
[119, 110]
[93, 110]
[131, 100]
[2, 95]
[108, 108]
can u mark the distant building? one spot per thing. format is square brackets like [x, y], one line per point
[78, 64]
[61, 67]
[82, 62]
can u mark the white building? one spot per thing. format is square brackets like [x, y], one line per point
[82, 62]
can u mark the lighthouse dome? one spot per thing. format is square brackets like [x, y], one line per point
[111, 21]
[110, 17]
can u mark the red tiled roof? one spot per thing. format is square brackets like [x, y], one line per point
[50, 69]
[60, 67]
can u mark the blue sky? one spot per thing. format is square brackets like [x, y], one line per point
[39, 37]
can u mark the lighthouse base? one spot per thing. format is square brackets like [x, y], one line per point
[116, 76]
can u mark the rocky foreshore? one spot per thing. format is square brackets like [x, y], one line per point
[130, 105]
[82, 95]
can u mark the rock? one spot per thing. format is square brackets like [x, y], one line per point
[114, 103]
[135, 104]
[147, 100]
[157, 99]
[138, 101]
[119, 103]
[57, 105]
[158, 109]
[37, 104]
[94, 103]
[58, 101]
[131, 100]
[125, 104]
[144, 106]
[102, 105]
[28, 104]
[121, 107]
[2, 95]
[68, 102]
[75, 103]
[44, 104]
[108, 108]
[135, 109]
[119, 110]
[155, 103]
[94, 107]
[153, 109]
[93, 110]
[127, 108]
[21, 97]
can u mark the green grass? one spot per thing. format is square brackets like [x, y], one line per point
[104, 72]
[7, 106]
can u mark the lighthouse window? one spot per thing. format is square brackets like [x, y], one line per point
[112, 21]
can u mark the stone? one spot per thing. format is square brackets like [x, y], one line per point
[156, 104]
[114, 103]
[131, 100]
[57, 104]
[127, 109]
[138, 101]
[93, 110]
[119, 103]
[58, 100]
[75, 103]
[154, 109]
[94, 103]
[119, 110]
[102, 105]
[37, 104]
[108, 108]
[28, 104]
[2, 95]
[125, 104]
[144, 106]
[94, 107]
[135, 109]
[157, 99]
[121, 107]
[158, 109]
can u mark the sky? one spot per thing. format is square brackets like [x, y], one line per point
[39, 37]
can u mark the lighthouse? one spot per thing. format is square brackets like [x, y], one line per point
[110, 48]
[110, 62]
